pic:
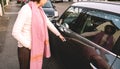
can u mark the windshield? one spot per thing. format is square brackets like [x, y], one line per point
[48, 5]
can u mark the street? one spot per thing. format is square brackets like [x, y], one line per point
[8, 45]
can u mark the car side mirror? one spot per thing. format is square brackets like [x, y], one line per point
[64, 27]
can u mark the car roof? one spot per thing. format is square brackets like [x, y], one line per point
[106, 6]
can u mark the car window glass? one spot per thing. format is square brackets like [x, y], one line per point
[70, 15]
[95, 21]
[92, 22]
[108, 16]
[73, 16]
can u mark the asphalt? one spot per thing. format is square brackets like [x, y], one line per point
[8, 45]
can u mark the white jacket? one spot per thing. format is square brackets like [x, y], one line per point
[22, 27]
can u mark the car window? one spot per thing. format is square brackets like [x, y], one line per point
[70, 15]
[95, 20]
[108, 16]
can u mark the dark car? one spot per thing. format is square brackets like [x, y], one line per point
[50, 10]
[80, 52]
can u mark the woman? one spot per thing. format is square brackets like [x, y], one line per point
[30, 30]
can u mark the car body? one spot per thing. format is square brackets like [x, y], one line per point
[50, 10]
[76, 52]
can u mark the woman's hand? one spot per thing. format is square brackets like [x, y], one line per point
[62, 38]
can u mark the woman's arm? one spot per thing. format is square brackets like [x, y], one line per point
[86, 34]
[54, 30]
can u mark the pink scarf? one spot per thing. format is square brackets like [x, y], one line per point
[40, 42]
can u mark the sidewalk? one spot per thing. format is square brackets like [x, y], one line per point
[8, 45]
[12, 8]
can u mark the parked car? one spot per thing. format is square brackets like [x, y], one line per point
[80, 52]
[50, 10]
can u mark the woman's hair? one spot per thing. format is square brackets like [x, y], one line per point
[109, 29]
[35, 0]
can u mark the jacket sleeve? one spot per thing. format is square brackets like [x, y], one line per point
[18, 26]
[52, 27]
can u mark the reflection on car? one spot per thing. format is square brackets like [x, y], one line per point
[50, 10]
[80, 52]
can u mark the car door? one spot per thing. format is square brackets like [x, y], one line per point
[69, 52]
[79, 20]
